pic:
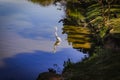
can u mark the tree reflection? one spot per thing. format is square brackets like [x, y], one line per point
[75, 26]
[78, 37]
[88, 25]
[43, 2]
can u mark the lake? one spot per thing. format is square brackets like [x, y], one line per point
[27, 40]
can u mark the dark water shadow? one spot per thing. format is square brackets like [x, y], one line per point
[27, 66]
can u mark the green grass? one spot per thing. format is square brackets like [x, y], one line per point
[103, 65]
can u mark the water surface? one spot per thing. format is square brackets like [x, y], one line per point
[27, 40]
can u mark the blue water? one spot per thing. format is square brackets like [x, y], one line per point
[27, 38]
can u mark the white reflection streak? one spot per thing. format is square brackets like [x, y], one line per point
[58, 40]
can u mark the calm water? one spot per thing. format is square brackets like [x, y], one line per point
[27, 40]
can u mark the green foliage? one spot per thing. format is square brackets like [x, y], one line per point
[93, 11]
[103, 31]
[103, 65]
[103, 19]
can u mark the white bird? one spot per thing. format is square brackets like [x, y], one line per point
[58, 39]
[56, 35]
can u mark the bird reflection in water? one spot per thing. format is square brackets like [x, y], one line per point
[58, 40]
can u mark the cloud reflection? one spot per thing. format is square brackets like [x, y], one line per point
[12, 43]
[26, 27]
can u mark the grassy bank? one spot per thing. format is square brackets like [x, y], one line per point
[103, 65]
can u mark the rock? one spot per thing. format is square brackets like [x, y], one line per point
[49, 76]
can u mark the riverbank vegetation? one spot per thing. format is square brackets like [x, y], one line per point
[102, 18]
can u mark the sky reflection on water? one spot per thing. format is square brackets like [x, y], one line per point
[27, 39]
